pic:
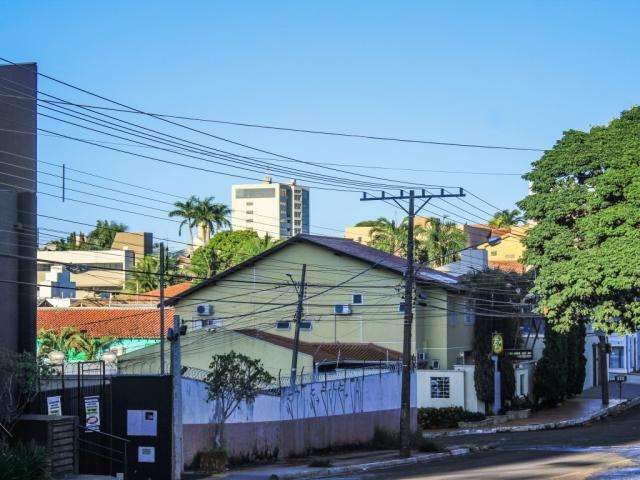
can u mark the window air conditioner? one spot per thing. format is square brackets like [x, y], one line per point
[204, 309]
[342, 309]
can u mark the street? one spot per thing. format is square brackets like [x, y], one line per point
[609, 449]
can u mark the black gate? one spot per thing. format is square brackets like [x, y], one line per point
[85, 391]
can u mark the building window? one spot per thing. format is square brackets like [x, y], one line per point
[283, 325]
[494, 253]
[249, 220]
[470, 312]
[616, 358]
[256, 192]
[249, 212]
[401, 307]
[249, 204]
[305, 325]
[357, 299]
[359, 240]
[439, 387]
[522, 394]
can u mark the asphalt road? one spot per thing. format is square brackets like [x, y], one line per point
[609, 449]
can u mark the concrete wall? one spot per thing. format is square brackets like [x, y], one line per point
[312, 416]
[426, 386]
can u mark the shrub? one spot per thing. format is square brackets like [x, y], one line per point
[211, 461]
[430, 418]
[24, 462]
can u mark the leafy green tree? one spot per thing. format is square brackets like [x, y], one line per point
[187, 211]
[506, 218]
[576, 361]
[550, 376]
[226, 249]
[233, 378]
[440, 242]
[18, 387]
[367, 223]
[102, 236]
[145, 276]
[585, 243]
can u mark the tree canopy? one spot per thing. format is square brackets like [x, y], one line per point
[505, 218]
[100, 238]
[585, 244]
[226, 249]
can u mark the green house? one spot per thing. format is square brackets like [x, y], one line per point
[354, 294]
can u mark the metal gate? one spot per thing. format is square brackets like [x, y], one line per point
[84, 390]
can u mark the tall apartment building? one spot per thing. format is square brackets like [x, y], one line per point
[279, 209]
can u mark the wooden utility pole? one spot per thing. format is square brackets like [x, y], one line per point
[162, 332]
[298, 319]
[409, 280]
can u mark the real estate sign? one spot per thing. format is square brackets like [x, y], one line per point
[54, 405]
[92, 413]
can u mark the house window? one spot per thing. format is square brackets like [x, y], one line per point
[522, 394]
[616, 358]
[249, 220]
[305, 325]
[401, 307]
[494, 253]
[439, 387]
[470, 313]
[249, 212]
[283, 325]
[357, 299]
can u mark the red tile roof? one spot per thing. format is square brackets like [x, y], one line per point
[169, 291]
[508, 266]
[330, 352]
[106, 321]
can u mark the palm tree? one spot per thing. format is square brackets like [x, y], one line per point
[210, 216]
[65, 340]
[506, 219]
[441, 242]
[391, 237]
[92, 347]
[145, 275]
[186, 210]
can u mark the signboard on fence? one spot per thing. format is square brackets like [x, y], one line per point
[54, 405]
[92, 413]
[519, 354]
[497, 344]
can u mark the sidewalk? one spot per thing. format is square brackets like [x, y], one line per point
[573, 412]
[341, 464]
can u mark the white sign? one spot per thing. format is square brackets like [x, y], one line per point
[92, 413]
[54, 406]
[142, 423]
[146, 454]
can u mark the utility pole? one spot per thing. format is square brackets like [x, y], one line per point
[162, 332]
[296, 337]
[176, 384]
[409, 280]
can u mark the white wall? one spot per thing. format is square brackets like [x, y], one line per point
[369, 393]
[456, 380]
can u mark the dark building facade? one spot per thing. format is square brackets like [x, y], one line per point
[18, 206]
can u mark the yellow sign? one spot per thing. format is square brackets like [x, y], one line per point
[497, 344]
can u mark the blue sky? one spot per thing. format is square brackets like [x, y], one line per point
[505, 73]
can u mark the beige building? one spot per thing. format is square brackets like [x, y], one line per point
[363, 234]
[353, 294]
[280, 210]
[506, 255]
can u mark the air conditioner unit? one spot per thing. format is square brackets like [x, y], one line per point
[342, 309]
[204, 309]
[435, 364]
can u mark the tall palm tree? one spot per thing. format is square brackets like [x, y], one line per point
[186, 210]
[92, 347]
[506, 219]
[210, 216]
[441, 242]
[391, 237]
[64, 340]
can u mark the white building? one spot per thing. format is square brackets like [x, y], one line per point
[103, 270]
[57, 284]
[278, 209]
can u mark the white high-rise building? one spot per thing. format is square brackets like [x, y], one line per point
[278, 209]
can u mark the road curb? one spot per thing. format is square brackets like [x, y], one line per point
[381, 465]
[574, 422]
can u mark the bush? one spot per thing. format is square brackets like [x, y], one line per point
[430, 418]
[211, 461]
[386, 440]
[24, 462]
